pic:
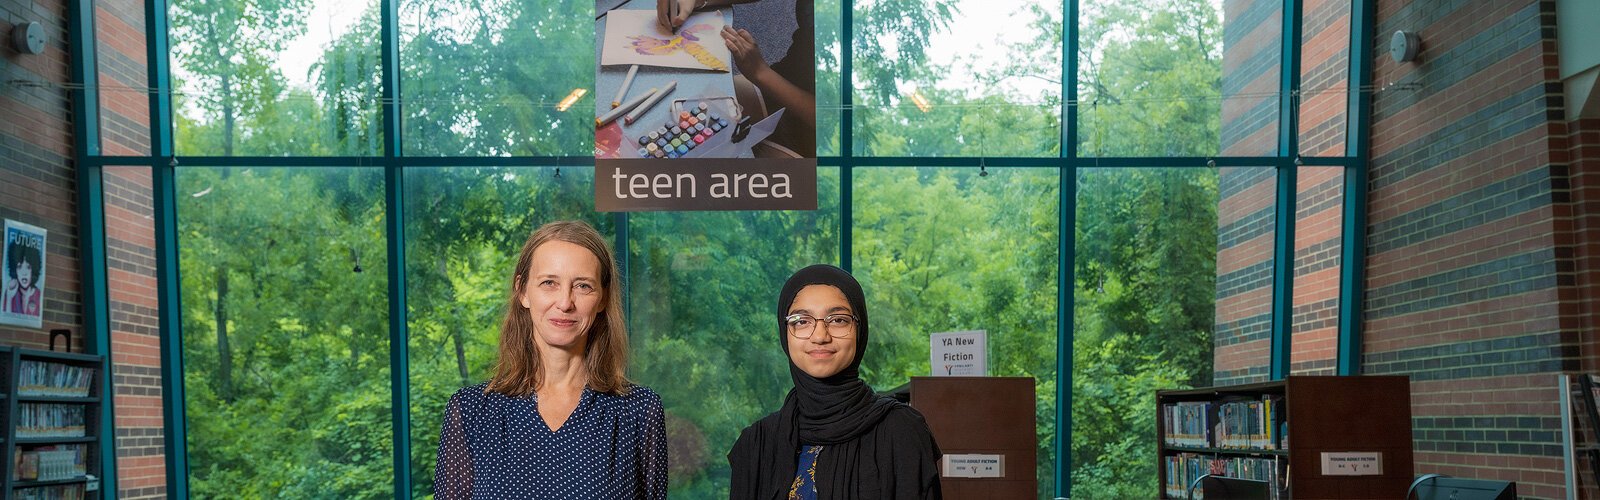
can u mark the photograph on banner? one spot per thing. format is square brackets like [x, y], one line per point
[22, 294]
[684, 79]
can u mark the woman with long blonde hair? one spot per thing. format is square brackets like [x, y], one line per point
[559, 418]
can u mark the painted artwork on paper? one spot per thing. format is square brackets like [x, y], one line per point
[22, 282]
[634, 37]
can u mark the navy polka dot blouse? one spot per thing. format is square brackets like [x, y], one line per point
[496, 446]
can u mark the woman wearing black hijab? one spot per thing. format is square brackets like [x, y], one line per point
[833, 438]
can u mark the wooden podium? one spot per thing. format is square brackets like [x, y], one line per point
[982, 416]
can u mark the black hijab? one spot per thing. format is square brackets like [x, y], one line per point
[841, 407]
[860, 458]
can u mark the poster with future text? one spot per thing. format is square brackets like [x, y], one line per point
[22, 285]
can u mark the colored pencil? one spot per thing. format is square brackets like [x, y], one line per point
[623, 91]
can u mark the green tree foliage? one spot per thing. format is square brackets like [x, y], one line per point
[303, 411]
[971, 253]
[464, 228]
[235, 102]
[1145, 267]
[705, 326]
[829, 88]
[1149, 81]
[1145, 252]
[481, 77]
[286, 347]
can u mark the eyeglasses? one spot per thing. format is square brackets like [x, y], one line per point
[802, 325]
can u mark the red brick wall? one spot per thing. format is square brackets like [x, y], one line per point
[1251, 68]
[1583, 153]
[124, 104]
[1324, 77]
[1483, 249]
[1242, 335]
[135, 327]
[37, 180]
[1321, 109]
[1317, 244]
[1469, 247]
[38, 186]
[130, 249]
[1252, 36]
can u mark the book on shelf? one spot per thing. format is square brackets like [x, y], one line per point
[51, 462]
[1238, 424]
[1186, 423]
[47, 420]
[1250, 424]
[27, 466]
[44, 378]
[60, 464]
[1184, 469]
[1242, 432]
[54, 492]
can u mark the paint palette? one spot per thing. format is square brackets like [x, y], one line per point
[688, 130]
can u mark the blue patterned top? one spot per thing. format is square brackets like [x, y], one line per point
[805, 475]
[496, 446]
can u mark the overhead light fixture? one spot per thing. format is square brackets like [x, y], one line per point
[1404, 45]
[28, 38]
[921, 102]
[571, 98]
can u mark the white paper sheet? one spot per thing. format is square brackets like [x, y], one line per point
[633, 37]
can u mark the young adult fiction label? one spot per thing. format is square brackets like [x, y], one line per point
[1352, 463]
[975, 466]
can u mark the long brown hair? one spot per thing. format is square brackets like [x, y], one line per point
[518, 371]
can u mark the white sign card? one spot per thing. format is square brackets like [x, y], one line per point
[1352, 463]
[975, 466]
[959, 354]
[634, 37]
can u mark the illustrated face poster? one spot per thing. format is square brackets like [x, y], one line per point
[22, 282]
[635, 37]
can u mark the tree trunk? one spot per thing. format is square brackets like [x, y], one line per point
[224, 352]
[456, 336]
[227, 114]
[461, 357]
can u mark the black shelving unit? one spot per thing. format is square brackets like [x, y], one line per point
[1329, 415]
[10, 400]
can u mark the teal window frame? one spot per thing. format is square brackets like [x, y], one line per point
[90, 163]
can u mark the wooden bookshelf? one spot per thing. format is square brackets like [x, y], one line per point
[1325, 414]
[12, 358]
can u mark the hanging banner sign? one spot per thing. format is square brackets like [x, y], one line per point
[698, 110]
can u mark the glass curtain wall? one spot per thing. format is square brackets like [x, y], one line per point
[285, 332]
[275, 78]
[942, 129]
[703, 293]
[464, 227]
[977, 251]
[927, 82]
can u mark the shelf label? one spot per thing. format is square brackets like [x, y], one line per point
[975, 466]
[1352, 463]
